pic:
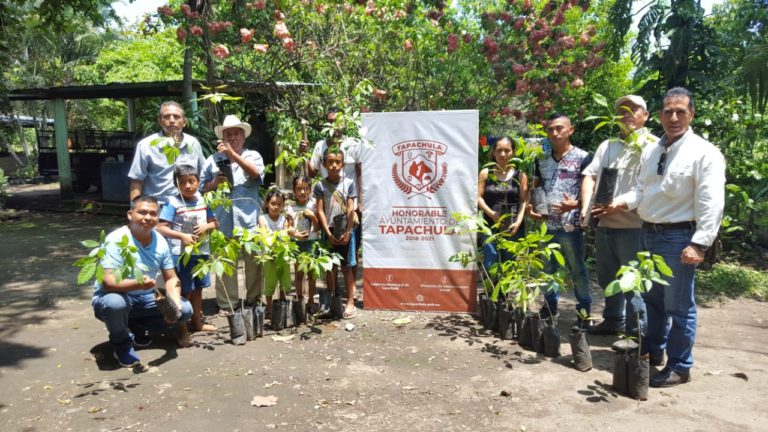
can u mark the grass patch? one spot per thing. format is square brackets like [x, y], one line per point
[733, 281]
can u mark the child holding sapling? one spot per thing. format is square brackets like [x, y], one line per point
[276, 271]
[306, 234]
[335, 197]
[186, 220]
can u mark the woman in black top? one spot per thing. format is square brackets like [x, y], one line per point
[502, 190]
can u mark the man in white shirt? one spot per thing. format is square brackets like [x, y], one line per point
[679, 195]
[617, 237]
[350, 146]
[243, 169]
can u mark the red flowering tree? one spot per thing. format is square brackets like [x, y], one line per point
[512, 59]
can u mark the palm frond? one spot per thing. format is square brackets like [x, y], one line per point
[755, 76]
[620, 15]
[649, 29]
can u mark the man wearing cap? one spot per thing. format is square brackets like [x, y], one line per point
[679, 195]
[151, 171]
[617, 236]
[243, 169]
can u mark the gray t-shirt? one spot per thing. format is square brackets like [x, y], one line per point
[331, 206]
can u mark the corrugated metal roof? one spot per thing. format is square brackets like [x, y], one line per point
[25, 121]
[142, 89]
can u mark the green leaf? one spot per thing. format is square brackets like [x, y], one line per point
[99, 273]
[86, 273]
[629, 280]
[600, 100]
[90, 243]
[612, 289]
[662, 266]
[559, 258]
[82, 261]
[600, 125]
[647, 284]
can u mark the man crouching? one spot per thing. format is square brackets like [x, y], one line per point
[128, 308]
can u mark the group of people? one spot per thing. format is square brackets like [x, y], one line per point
[668, 199]
[168, 214]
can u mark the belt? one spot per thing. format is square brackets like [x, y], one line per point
[658, 227]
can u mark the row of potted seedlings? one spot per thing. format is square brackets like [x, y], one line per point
[511, 288]
[247, 322]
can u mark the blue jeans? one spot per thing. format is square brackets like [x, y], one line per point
[572, 248]
[673, 303]
[616, 247]
[122, 312]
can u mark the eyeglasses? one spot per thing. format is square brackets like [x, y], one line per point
[662, 163]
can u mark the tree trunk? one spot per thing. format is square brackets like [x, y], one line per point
[187, 93]
[22, 139]
[7, 145]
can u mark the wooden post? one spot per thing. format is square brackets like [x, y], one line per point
[62, 151]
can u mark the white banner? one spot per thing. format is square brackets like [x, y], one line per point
[421, 168]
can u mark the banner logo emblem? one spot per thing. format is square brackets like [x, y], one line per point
[419, 170]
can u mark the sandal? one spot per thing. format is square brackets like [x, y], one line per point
[350, 313]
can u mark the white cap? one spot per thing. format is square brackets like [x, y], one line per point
[633, 99]
[232, 121]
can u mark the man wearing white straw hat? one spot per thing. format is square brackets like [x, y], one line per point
[243, 170]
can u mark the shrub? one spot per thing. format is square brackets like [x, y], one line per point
[731, 280]
[3, 189]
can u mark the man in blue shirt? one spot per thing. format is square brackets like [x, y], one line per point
[129, 305]
[151, 171]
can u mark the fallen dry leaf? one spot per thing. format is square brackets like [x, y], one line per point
[264, 401]
[401, 321]
[740, 375]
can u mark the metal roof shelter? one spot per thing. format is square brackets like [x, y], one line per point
[129, 92]
[24, 121]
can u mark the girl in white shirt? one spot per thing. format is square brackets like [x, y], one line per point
[276, 271]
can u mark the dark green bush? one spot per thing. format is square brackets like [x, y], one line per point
[731, 280]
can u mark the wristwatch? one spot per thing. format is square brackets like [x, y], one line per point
[700, 246]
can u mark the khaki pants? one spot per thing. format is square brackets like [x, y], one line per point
[250, 273]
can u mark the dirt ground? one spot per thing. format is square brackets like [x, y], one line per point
[439, 372]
